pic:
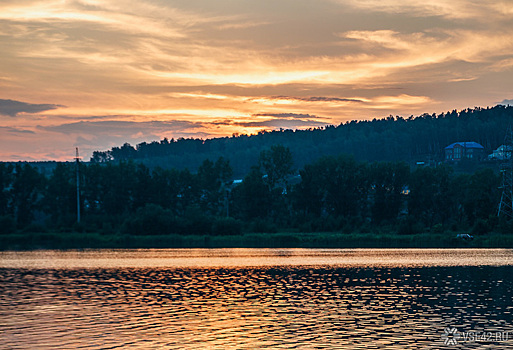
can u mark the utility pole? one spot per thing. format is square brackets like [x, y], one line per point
[227, 203]
[77, 160]
[506, 167]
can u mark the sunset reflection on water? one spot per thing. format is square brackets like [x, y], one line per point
[248, 306]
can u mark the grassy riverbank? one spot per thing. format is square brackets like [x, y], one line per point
[27, 241]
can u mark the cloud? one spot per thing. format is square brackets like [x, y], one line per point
[122, 128]
[281, 123]
[318, 99]
[274, 123]
[254, 62]
[388, 52]
[16, 130]
[453, 9]
[286, 115]
[12, 108]
[506, 102]
[327, 99]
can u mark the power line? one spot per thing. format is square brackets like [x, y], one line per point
[77, 160]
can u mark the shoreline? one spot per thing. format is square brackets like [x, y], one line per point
[73, 240]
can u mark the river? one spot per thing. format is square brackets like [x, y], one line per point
[257, 298]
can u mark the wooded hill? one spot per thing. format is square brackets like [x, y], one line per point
[410, 140]
[127, 192]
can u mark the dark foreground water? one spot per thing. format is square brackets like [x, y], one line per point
[257, 298]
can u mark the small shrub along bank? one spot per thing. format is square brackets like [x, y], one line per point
[78, 240]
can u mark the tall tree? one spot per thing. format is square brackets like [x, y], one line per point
[6, 179]
[27, 191]
[60, 197]
[213, 180]
[482, 195]
[333, 185]
[387, 183]
[277, 164]
[430, 200]
[252, 198]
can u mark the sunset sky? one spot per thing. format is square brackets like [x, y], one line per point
[95, 74]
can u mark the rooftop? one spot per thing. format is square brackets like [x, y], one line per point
[465, 145]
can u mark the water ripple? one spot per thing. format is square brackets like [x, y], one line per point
[282, 307]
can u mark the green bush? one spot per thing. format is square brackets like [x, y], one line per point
[34, 228]
[286, 240]
[7, 224]
[226, 227]
[196, 222]
[438, 228]
[409, 226]
[481, 227]
[263, 226]
[151, 219]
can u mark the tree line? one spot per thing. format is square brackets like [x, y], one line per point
[410, 139]
[333, 193]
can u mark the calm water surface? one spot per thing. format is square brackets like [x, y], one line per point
[257, 298]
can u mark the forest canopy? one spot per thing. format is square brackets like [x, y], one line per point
[411, 140]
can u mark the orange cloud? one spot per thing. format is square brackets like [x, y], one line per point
[141, 62]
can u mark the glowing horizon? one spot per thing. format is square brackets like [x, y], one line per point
[96, 74]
